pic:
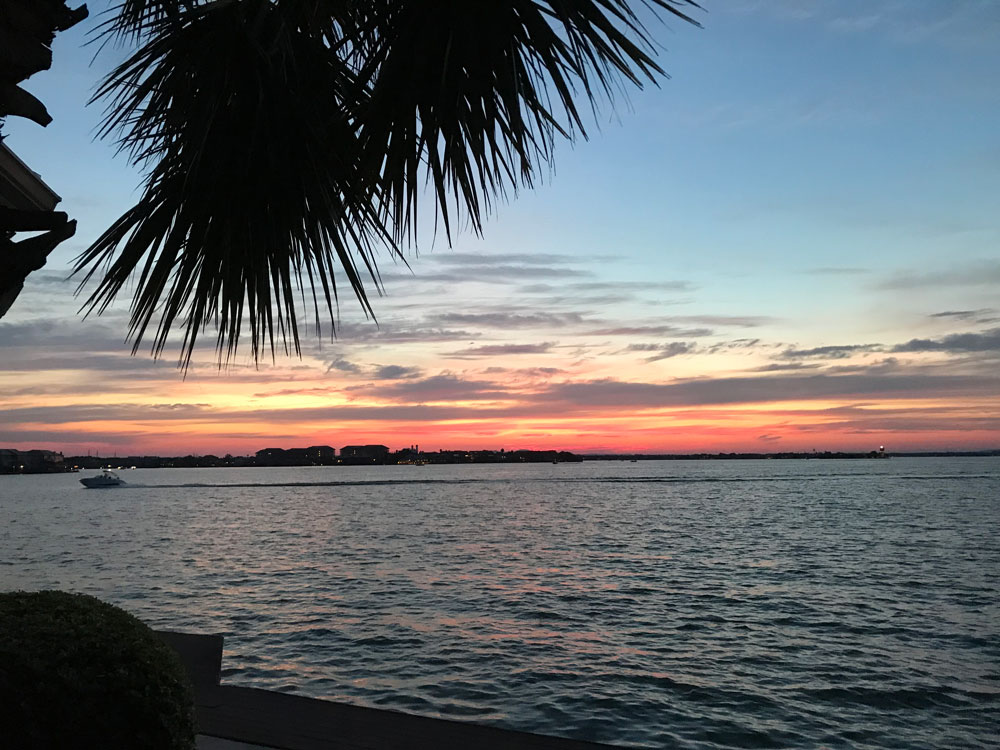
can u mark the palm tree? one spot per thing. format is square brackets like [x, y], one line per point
[286, 141]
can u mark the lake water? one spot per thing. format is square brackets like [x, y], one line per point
[688, 604]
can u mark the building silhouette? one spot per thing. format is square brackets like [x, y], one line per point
[363, 454]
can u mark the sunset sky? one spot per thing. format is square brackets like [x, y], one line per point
[792, 244]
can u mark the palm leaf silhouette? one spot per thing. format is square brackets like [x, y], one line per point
[286, 141]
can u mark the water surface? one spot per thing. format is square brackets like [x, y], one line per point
[689, 604]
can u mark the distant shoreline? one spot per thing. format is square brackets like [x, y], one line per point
[786, 455]
[76, 463]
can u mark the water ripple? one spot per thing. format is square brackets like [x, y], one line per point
[702, 605]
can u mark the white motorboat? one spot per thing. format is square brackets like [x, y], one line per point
[106, 478]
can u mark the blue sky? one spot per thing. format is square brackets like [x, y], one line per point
[815, 177]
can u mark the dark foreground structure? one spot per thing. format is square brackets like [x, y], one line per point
[292, 722]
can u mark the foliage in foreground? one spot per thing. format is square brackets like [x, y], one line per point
[77, 672]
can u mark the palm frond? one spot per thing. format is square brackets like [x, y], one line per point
[287, 139]
[255, 183]
[472, 96]
[134, 18]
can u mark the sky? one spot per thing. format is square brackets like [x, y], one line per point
[791, 244]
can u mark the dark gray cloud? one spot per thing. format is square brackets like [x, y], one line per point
[56, 436]
[680, 326]
[787, 367]
[738, 321]
[177, 408]
[664, 351]
[957, 343]
[398, 332]
[883, 418]
[443, 387]
[982, 315]
[340, 413]
[508, 320]
[830, 352]
[145, 386]
[65, 333]
[499, 350]
[886, 364]
[72, 413]
[765, 389]
[676, 285]
[320, 391]
[122, 367]
[591, 301]
[496, 274]
[376, 372]
[524, 259]
[960, 314]
[53, 277]
[538, 288]
[733, 345]
[395, 372]
[597, 293]
[394, 413]
[652, 330]
[530, 372]
[427, 400]
[95, 345]
[342, 365]
[50, 291]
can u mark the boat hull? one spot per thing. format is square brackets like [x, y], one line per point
[100, 482]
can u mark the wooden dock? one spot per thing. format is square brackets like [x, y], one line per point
[292, 722]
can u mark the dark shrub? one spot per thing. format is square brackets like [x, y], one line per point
[78, 673]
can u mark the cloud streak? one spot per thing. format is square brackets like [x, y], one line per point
[830, 352]
[664, 351]
[957, 343]
[508, 320]
[767, 389]
[502, 350]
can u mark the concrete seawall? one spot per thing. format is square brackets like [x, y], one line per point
[291, 722]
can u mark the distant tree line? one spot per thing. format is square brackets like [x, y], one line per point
[325, 456]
